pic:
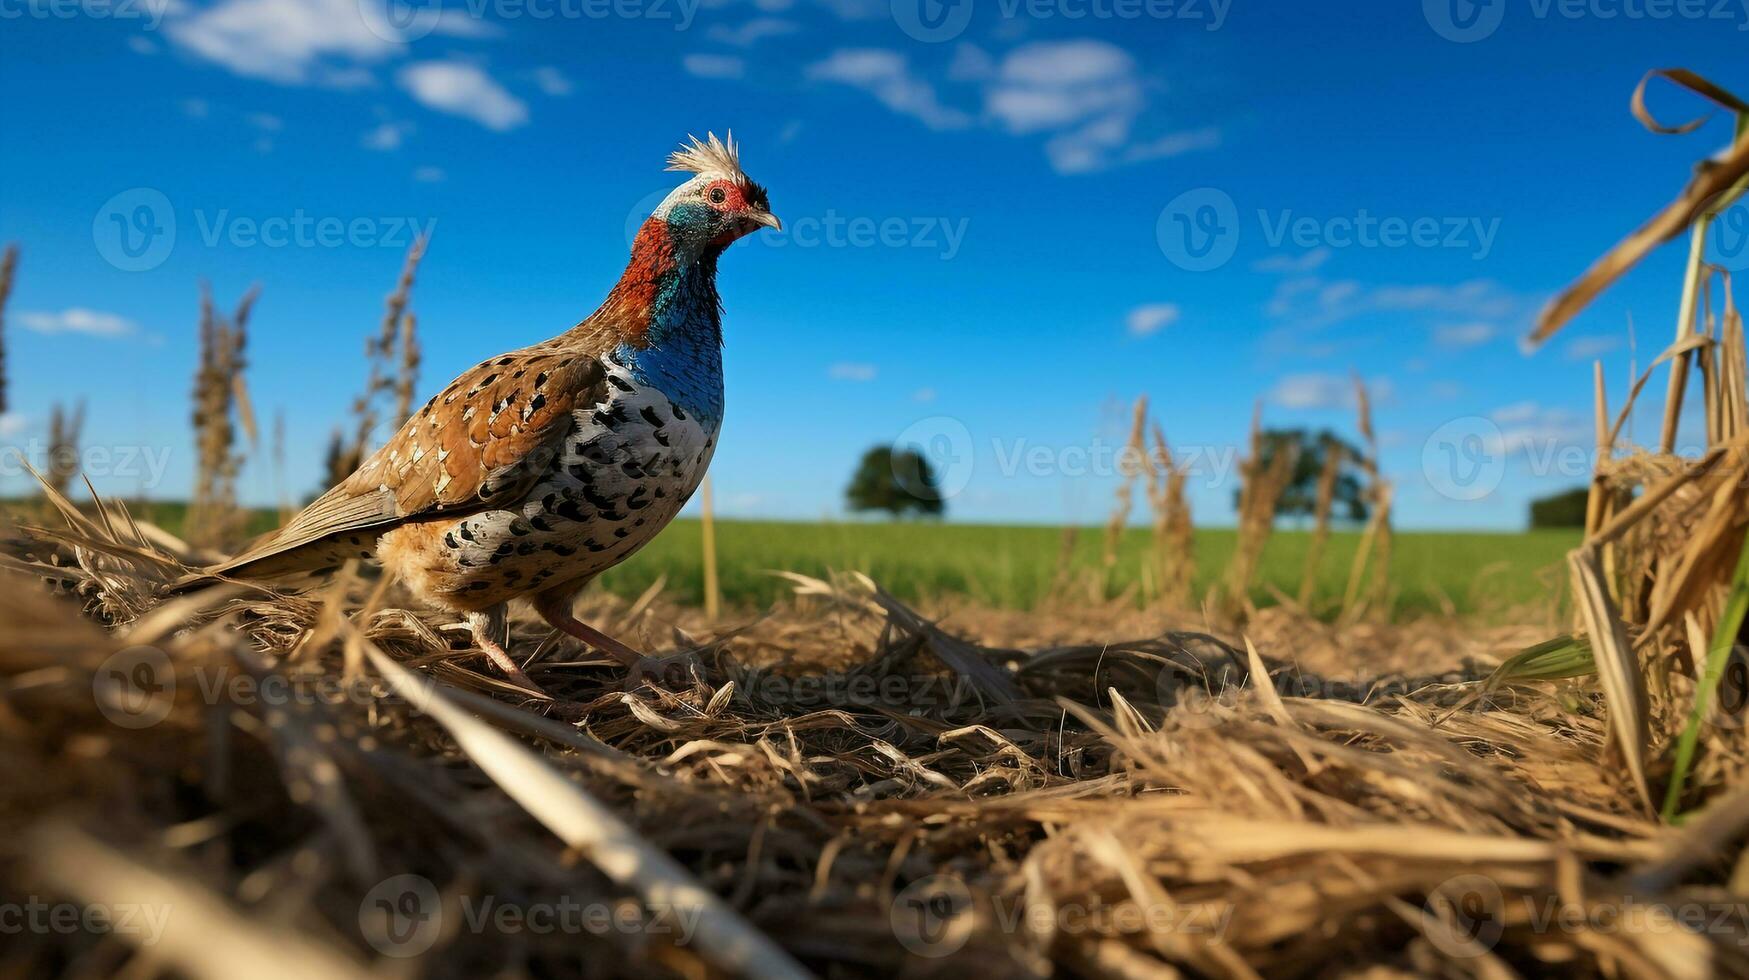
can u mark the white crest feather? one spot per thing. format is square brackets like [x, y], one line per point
[711, 156]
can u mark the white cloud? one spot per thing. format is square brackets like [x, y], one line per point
[1590, 348]
[851, 371]
[552, 81]
[266, 122]
[1459, 335]
[140, 45]
[1313, 301]
[11, 424]
[752, 32]
[462, 89]
[1325, 391]
[887, 76]
[1282, 262]
[1173, 144]
[1056, 84]
[714, 65]
[460, 22]
[923, 395]
[196, 108]
[78, 319]
[1528, 426]
[1145, 321]
[429, 175]
[1082, 96]
[387, 136]
[292, 42]
[1087, 94]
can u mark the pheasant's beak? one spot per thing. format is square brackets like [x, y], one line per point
[765, 218]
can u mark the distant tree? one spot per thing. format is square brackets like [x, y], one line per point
[1566, 509]
[896, 481]
[1300, 499]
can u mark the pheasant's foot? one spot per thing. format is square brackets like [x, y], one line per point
[485, 627]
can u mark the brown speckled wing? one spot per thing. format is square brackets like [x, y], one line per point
[482, 443]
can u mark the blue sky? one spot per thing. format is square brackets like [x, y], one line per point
[989, 205]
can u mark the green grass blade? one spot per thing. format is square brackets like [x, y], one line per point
[1724, 638]
[1563, 656]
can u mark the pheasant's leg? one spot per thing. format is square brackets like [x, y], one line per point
[488, 627]
[555, 608]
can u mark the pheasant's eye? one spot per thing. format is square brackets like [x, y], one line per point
[718, 195]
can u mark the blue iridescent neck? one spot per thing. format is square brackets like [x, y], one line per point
[681, 351]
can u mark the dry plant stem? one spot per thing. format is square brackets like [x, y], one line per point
[203, 936]
[1130, 466]
[8, 267]
[597, 833]
[1712, 179]
[1321, 522]
[713, 596]
[1691, 287]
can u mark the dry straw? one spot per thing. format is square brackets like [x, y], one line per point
[221, 402]
[1660, 581]
[8, 268]
[393, 355]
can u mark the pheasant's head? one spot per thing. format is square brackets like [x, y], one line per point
[718, 205]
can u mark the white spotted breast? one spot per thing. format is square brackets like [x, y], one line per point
[626, 468]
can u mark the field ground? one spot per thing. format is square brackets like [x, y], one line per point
[1015, 567]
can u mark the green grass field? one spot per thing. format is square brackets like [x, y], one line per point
[1469, 572]
[1015, 566]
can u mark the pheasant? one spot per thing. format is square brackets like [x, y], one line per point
[537, 470]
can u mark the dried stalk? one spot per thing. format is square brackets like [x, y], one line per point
[8, 266]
